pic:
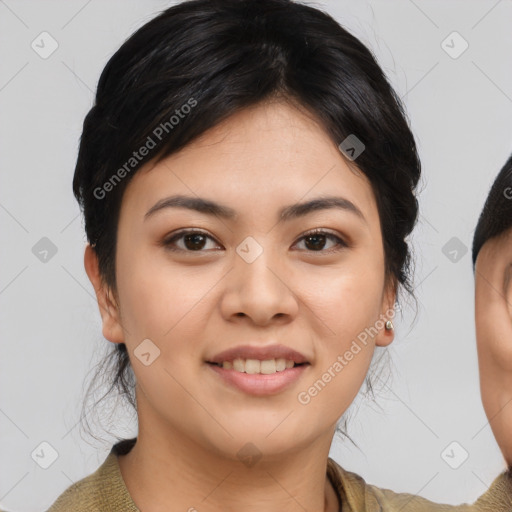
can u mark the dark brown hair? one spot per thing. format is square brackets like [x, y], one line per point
[496, 215]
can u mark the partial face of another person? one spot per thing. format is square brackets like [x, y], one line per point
[197, 284]
[493, 303]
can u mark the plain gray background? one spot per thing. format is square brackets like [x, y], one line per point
[461, 113]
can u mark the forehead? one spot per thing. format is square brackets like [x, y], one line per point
[259, 158]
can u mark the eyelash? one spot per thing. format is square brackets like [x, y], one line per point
[167, 243]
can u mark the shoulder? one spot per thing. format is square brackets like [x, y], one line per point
[82, 495]
[358, 495]
[102, 491]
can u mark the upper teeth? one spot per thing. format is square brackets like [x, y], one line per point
[255, 366]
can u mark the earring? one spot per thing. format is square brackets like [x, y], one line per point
[389, 325]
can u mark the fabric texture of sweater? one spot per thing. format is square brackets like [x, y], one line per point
[105, 491]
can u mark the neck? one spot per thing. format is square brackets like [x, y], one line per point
[172, 470]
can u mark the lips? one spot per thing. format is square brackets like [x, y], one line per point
[259, 353]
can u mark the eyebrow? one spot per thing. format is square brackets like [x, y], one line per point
[287, 213]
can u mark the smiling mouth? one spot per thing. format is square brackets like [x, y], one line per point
[255, 366]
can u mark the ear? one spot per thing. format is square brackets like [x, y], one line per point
[384, 337]
[109, 310]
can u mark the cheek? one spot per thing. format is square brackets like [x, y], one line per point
[349, 307]
[164, 306]
[350, 300]
[158, 302]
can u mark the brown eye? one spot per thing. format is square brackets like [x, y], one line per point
[192, 241]
[316, 241]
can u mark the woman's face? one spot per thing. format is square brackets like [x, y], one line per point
[493, 313]
[251, 279]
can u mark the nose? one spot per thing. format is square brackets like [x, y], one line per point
[261, 291]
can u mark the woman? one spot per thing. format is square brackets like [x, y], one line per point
[492, 261]
[247, 177]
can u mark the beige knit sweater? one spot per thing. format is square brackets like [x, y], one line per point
[105, 491]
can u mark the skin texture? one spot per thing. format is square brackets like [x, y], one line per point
[193, 305]
[493, 313]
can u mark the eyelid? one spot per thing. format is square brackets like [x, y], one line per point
[323, 231]
[341, 241]
[166, 242]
